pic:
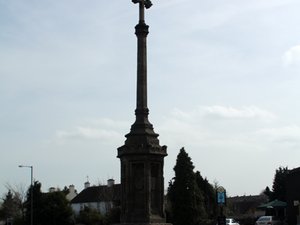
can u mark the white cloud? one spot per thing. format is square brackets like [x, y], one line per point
[225, 112]
[103, 129]
[216, 126]
[247, 112]
[287, 134]
[88, 133]
[211, 14]
[292, 56]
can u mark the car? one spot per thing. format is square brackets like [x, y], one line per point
[231, 221]
[268, 220]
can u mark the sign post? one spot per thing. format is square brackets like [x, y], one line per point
[221, 200]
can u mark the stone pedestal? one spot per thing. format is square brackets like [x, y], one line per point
[142, 184]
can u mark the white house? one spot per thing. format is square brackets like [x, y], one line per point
[102, 198]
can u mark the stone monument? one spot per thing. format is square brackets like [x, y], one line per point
[142, 157]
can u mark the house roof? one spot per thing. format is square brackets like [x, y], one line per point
[98, 194]
[273, 204]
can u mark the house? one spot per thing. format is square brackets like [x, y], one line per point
[101, 198]
[293, 196]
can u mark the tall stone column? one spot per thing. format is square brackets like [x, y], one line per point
[142, 157]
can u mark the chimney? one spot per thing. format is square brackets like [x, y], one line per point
[110, 182]
[72, 192]
[86, 185]
[52, 189]
[71, 188]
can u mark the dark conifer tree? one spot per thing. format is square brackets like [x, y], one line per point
[209, 196]
[268, 193]
[37, 203]
[184, 194]
[279, 184]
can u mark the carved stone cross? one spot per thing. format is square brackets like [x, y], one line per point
[143, 4]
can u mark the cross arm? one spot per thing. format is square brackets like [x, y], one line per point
[147, 3]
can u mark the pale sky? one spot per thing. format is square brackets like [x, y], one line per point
[223, 82]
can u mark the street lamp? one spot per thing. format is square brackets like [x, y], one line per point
[31, 192]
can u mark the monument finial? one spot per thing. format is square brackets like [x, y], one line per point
[143, 4]
[146, 3]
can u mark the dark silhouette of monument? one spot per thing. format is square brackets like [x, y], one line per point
[142, 158]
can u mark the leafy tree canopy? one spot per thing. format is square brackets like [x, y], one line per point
[10, 207]
[48, 208]
[56, 209]
[90, 216]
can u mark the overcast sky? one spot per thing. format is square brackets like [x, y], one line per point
[223, 82]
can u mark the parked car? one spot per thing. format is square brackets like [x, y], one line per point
[231, 221]
[268, 220]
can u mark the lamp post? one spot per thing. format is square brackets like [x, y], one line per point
[31, 192]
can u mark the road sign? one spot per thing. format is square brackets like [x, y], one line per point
[221, 195]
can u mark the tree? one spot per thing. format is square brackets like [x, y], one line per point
[11, 206]
[279, 184]
[55, 209]
[209, 195]
[268, 193]
[37, 203]
[90, 216]
[184, 194]
[19, 193]
[48, 208]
